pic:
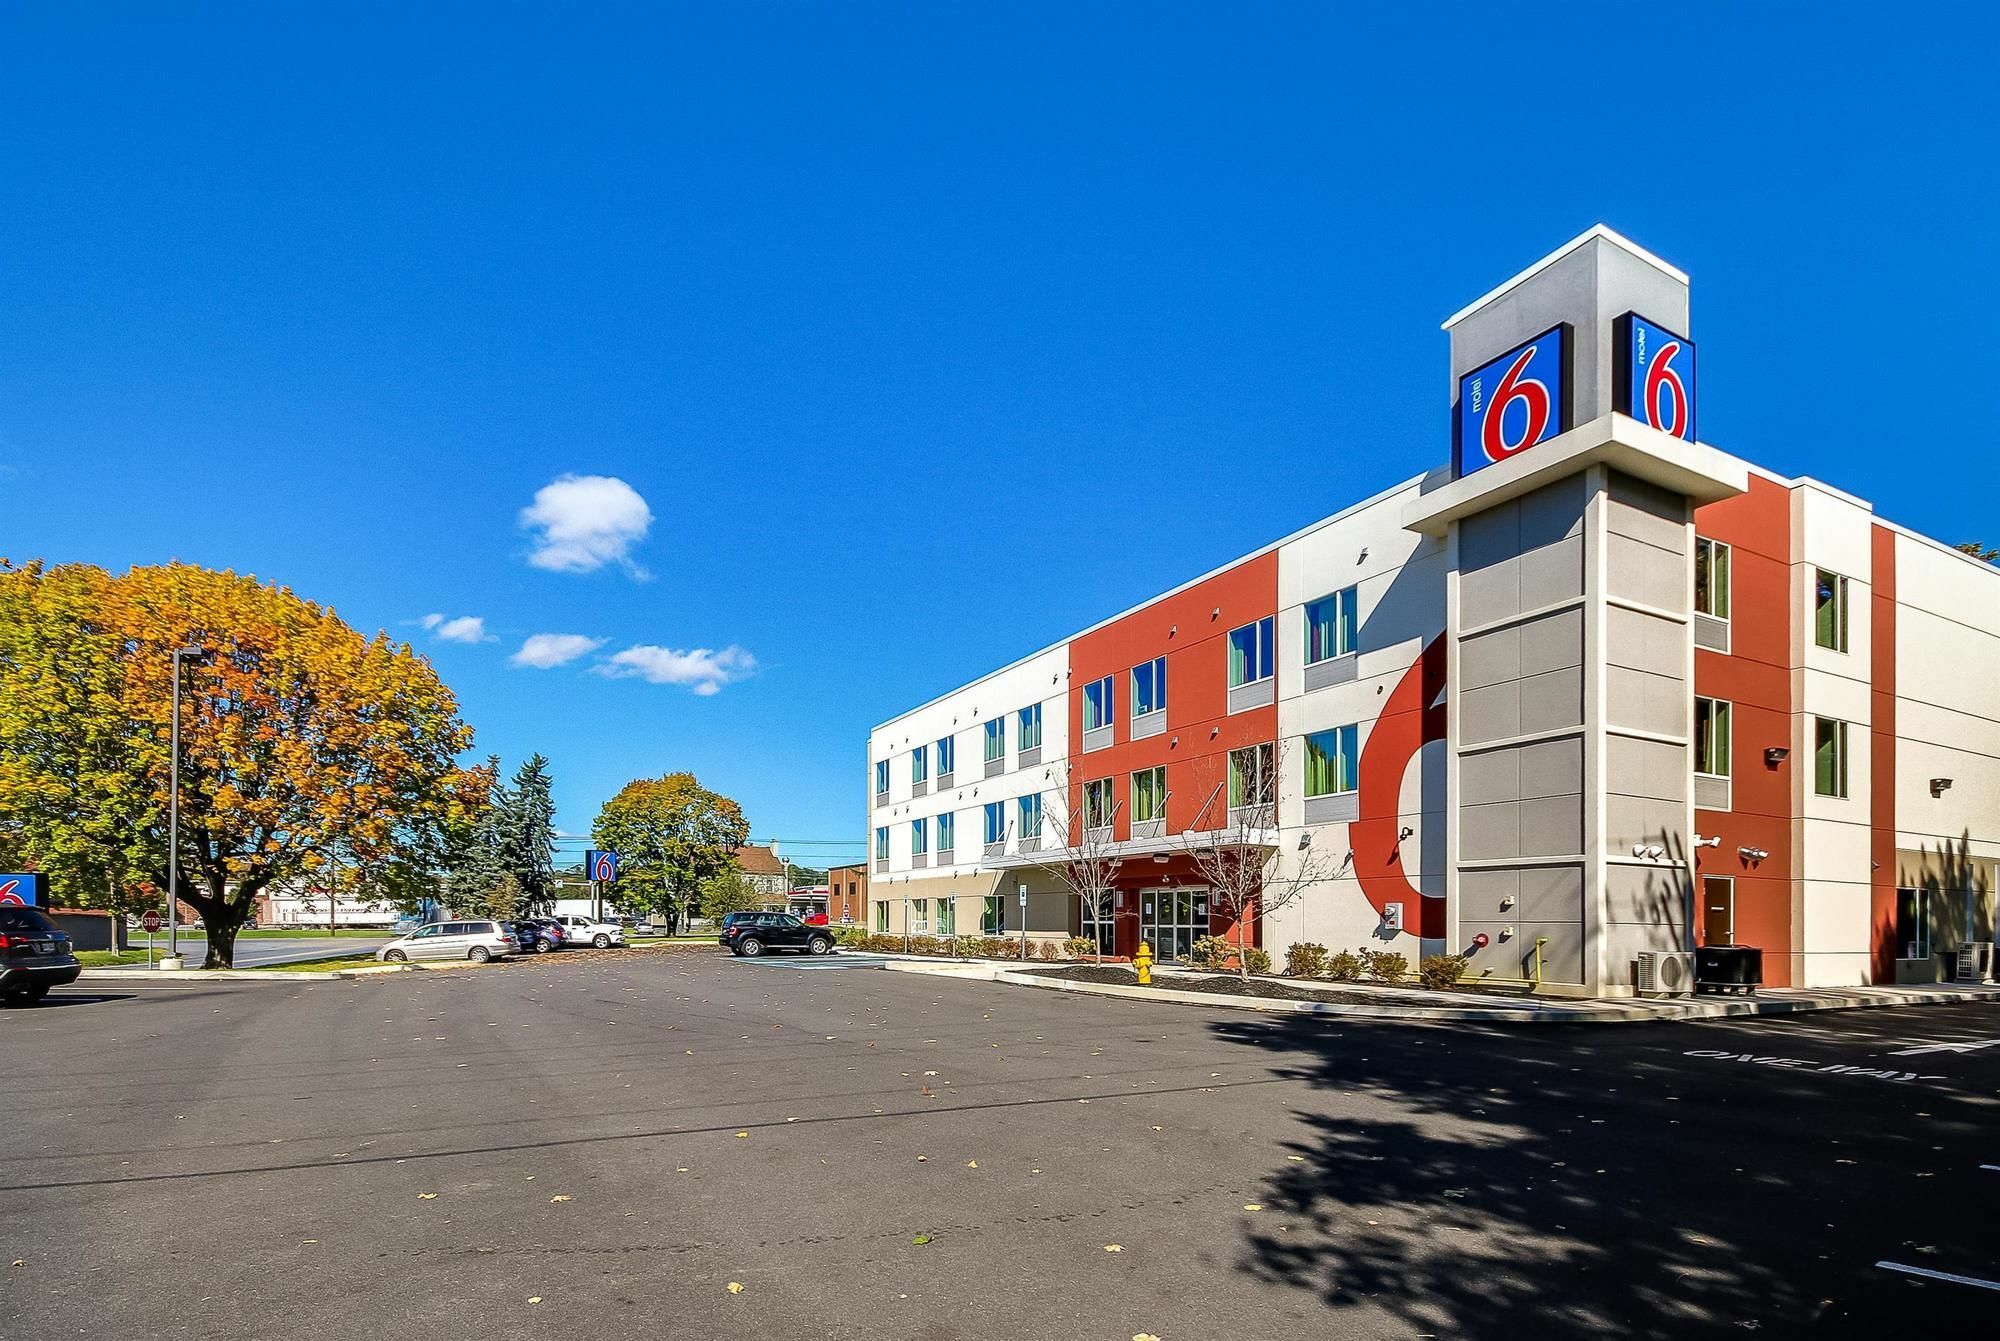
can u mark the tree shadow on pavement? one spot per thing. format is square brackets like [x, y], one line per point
[1576, 1182]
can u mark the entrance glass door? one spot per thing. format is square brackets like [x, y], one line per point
[1172, 920]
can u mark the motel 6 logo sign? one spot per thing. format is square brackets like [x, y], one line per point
[20, 889]
[1514, 402]
[601, 867]
[1655, 375]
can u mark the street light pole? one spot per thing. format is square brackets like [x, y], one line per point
[173, 959]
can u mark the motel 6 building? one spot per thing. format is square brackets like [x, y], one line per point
[1595, 692]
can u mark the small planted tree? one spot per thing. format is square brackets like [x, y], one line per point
[1235, 846]
[1083, 859]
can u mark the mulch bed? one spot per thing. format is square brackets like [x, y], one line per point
[1280, 989]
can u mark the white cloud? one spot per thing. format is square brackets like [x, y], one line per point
[582, 522]
[463, 629]
[702, 670]
[544, 651]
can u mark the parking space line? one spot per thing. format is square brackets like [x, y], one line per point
[1940, 1275]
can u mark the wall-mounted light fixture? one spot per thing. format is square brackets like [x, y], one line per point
[1216, 613]
[1714, 840]
[1752, 853]
[1939, 786]
[1776, 754]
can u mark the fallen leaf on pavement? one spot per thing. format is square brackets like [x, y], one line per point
[736, 1287]
[742, 1135]
[1114, 1248]
[553, 1200]
[921, 1239]
[1252, 1206]
[534, 1299]
[427, 1196]
[972, 1164]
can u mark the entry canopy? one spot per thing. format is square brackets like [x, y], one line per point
[1695, 469]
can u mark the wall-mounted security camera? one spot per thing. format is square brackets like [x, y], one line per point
[1939, 786]
[1776, 754]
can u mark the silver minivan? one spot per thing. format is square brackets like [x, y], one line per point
[476, 939]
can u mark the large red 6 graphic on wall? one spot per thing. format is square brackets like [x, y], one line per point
[1413, 716]
[1534, 399]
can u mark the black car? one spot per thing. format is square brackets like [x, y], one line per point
[751, 934]
[34, 956]
[538, 935]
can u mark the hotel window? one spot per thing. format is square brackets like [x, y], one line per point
[947, 919]
[1098, 805]
[1252, 776]
[1712, 737]
[920, 916]
[1330, 761]
[1149, 687]
[1830, 610]
[1149, 794]
[996, 821]
[947, 750]
[1097, 704]
[1913, 924]
[996, 740]
[881, 915]
[1031, 815]
[1711, 578]
[920, 764]
[989, 915]
[1330, 626]
[920, 837]
[947, 831]
[882, 777]
[1829, 757]
[1253, 652]
[882, 844]
[1031, 728]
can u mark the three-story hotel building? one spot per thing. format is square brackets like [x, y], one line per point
[1591, 690]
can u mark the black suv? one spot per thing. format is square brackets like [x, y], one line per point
[751, 934]
[34, 956]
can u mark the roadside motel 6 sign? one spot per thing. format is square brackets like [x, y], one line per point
[601, 867]
[1517, 400]
[20, 889]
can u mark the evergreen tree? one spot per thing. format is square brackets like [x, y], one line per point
[529, 831]
[478, 860]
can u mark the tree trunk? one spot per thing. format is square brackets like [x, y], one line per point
[221, 941]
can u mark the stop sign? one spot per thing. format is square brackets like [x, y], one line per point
[151, 921]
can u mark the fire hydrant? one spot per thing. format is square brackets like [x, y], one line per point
[1143, 962]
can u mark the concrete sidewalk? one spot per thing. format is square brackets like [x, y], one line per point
[1469, 1007]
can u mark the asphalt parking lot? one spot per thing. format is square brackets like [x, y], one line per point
[603, 1146]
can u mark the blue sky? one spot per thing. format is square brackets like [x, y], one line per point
[890, 318]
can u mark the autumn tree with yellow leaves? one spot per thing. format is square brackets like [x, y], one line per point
[309, 754]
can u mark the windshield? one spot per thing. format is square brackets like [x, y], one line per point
[26, 921]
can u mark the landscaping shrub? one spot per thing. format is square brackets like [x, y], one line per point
[1077, 947]
[1305, 960]
[1344, 967]
[1258, 958]
[849, 936]
[1386, 965]
[1048, 950]
[926, 945]
[1441, 971]
[1210, 952]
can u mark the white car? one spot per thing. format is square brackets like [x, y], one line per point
[478, 940]
[586, 931]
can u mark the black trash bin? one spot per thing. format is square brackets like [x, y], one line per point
[1728, 968]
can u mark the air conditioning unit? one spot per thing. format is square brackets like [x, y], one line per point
[1665, 973]
[1975, 961]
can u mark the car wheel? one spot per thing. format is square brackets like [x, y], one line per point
[480, 954]
[750, 947]
[819, 945]
[395, 957]
[601, 941]
[543, 947]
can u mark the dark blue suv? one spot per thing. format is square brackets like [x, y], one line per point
[34, 956]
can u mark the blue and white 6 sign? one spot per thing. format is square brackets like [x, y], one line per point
[1655, 376]
[1514, 402]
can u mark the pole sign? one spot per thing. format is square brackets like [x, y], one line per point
[1514, 402]
[601, 866]
[17, 890]
[1655, 375]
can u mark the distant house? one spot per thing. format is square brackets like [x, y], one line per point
[762, 868]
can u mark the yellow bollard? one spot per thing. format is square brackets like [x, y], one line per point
[1143, 962]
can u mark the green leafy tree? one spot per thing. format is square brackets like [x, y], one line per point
[730, 892]
[1982, 552]
[672, 835]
